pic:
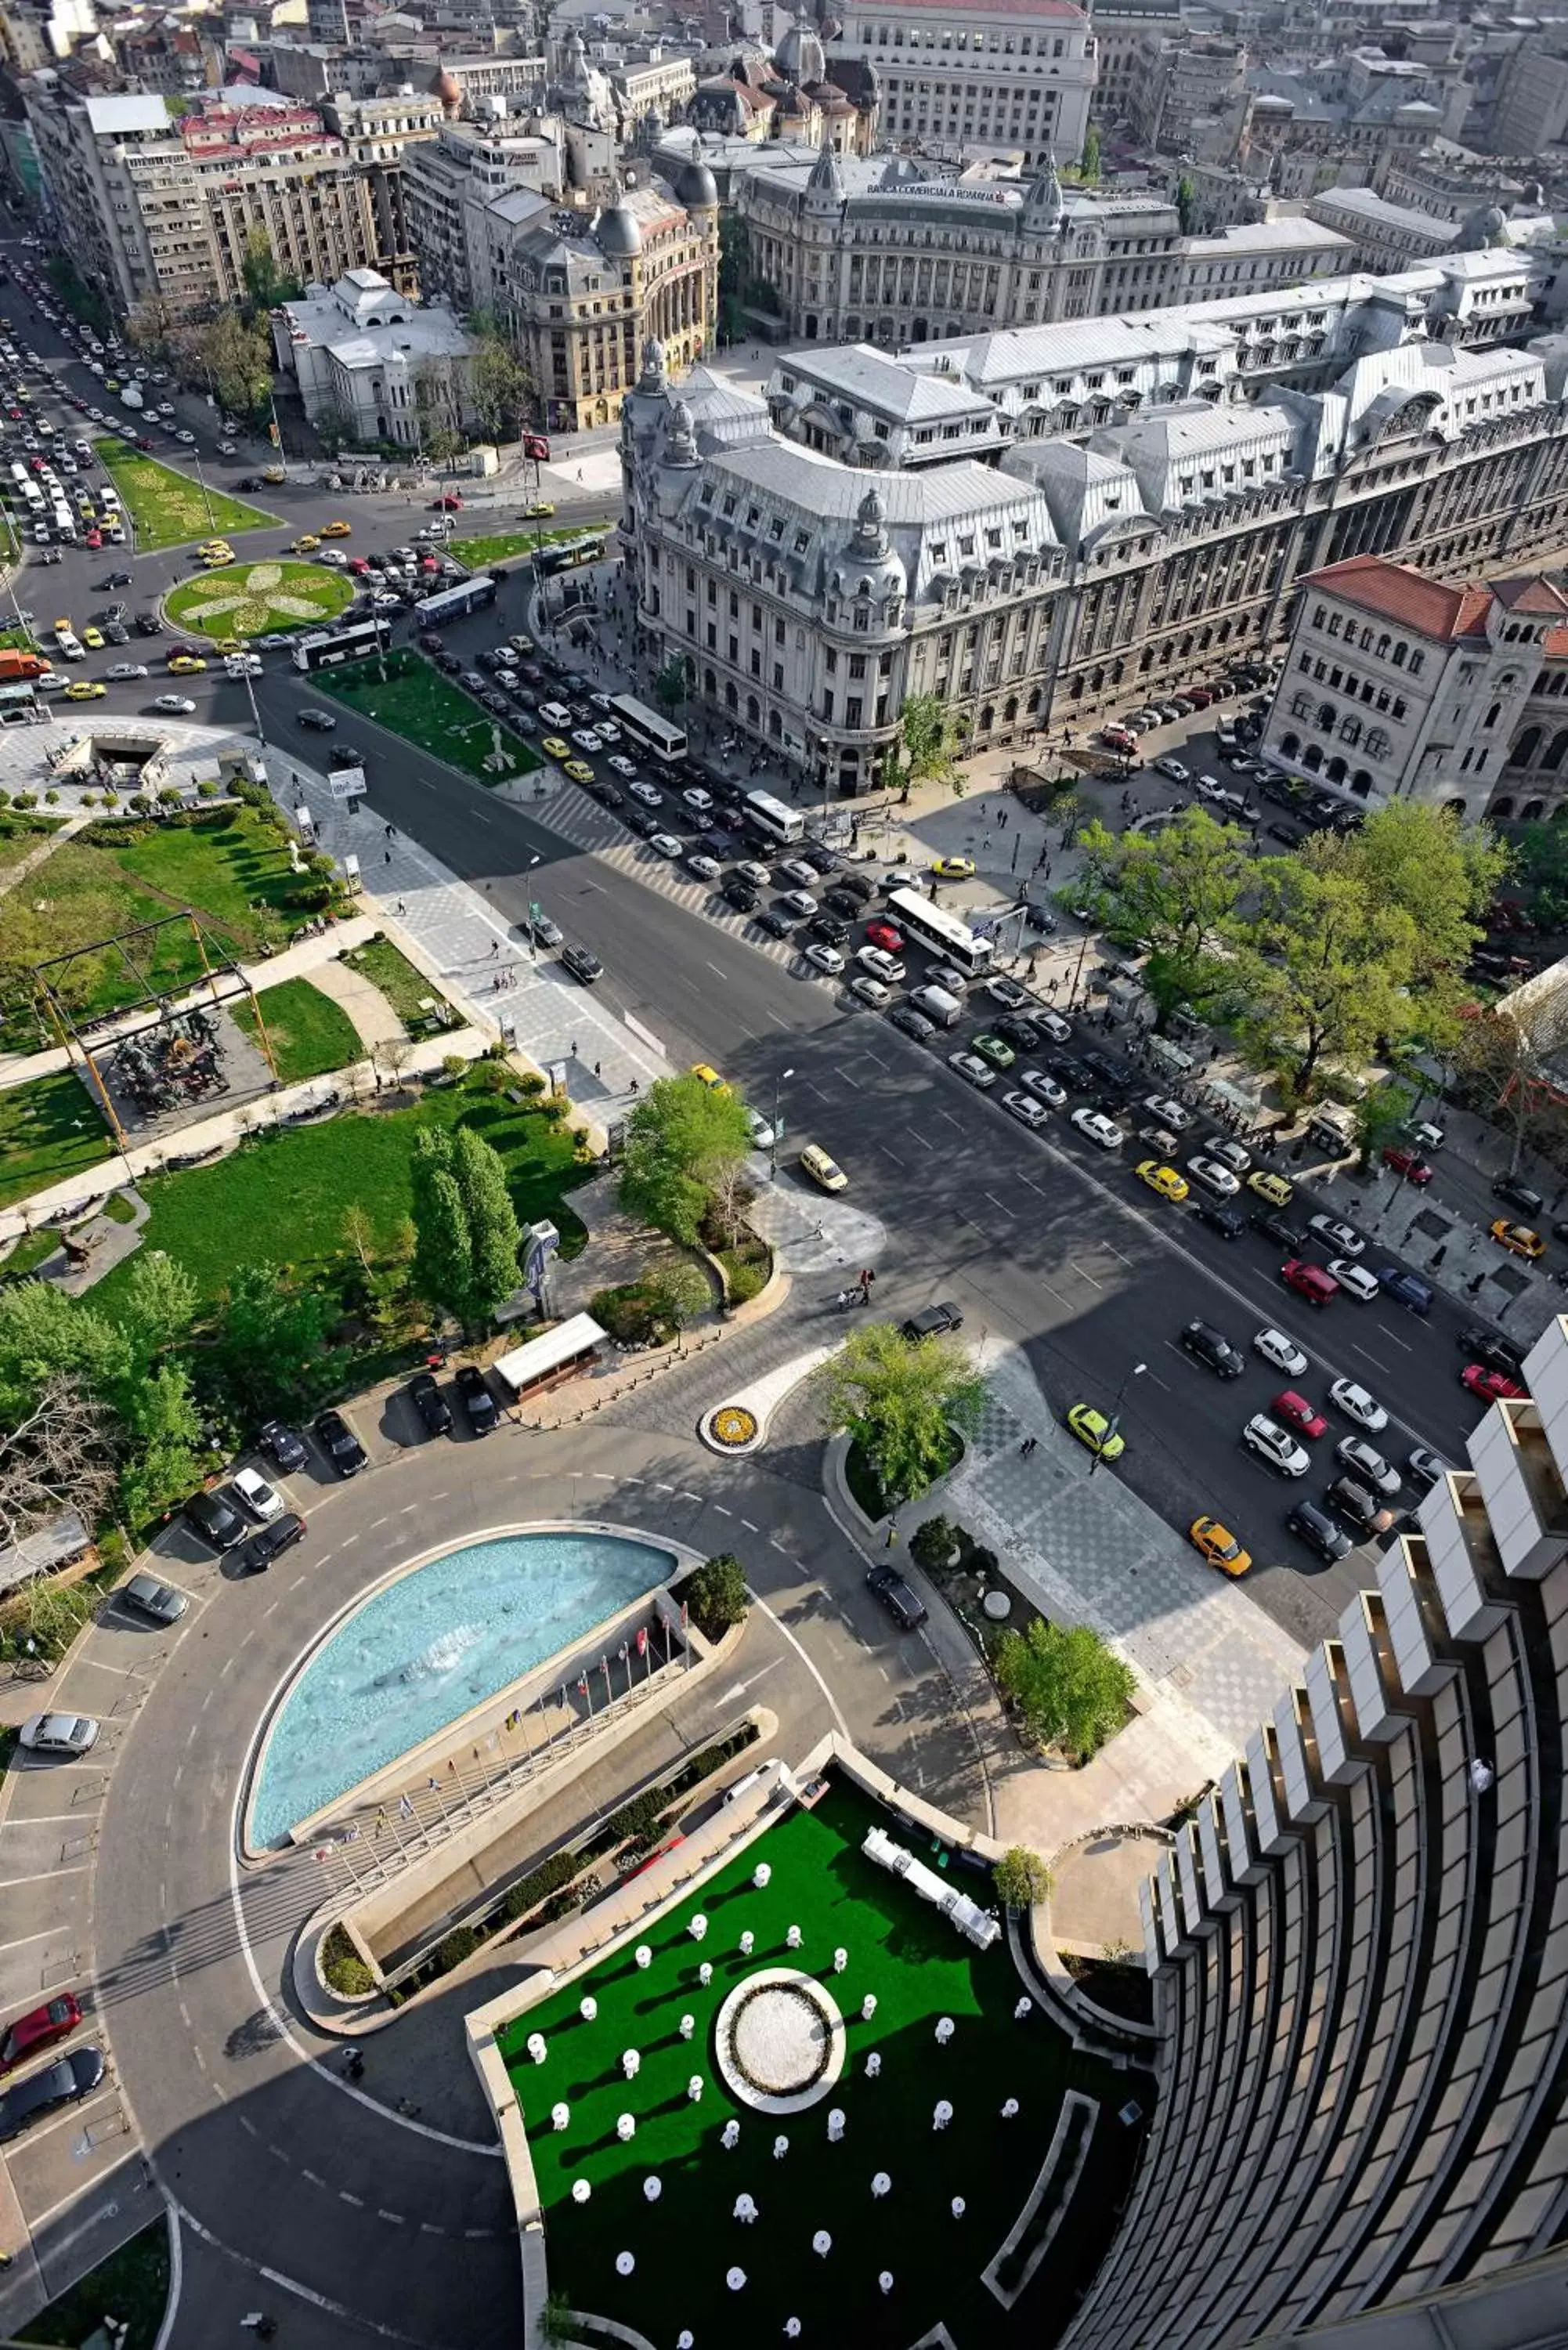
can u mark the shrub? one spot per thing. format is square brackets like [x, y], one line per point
[171, 797]
[745, 1281]
[1021, 1878]
[5, 799]
[51, 798]
[454, 1065]
[89, 799]
[625, 1313]
[207, 789]
[30, 800]
[716, 1594]
[142, 804]
[112, 799]
[532, 1085]
[637, 1818]
[457, 1946]
[529, 1891]
[343, 1967]
[933, 1545]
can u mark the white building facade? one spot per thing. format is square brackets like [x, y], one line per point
[994, 77]
[379, 365]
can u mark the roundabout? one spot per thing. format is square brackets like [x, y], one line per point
[259, 600]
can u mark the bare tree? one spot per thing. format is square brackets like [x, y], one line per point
[59, 1457]
[729, 1193]
[1511, 1058]
[393, 1055]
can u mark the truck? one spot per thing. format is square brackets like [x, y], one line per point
[16, 665]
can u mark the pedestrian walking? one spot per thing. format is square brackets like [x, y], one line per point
[595, 1068]
[401, 907]
[1028, 1446]
[494, 948]
[389, 855]
[573, 1048]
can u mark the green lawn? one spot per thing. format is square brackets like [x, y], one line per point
[259, 600]
[404, 987]
[232, 868]
[20, 835]
[309, 1032]
[49, 1131]
[132, 2285]
[479, 553]
[167, 509]
[287, 1192]
[419, 704]
[919, 1969]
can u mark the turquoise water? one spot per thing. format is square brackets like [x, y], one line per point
[423, 1651]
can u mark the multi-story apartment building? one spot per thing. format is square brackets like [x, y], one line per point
[1386, 235]
[1127, 47]
[153, 205]
[449, 183]
[1198, 76]
[1151, 493]
[651, 80]
[1359, 1950]
[996, 77]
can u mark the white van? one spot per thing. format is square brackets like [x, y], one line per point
[108, 499]
[554, 713]
[937, 1006]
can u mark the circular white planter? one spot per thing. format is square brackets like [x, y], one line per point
[779, 2041]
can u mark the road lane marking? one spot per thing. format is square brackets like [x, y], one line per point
[920, 1138]
[1372, 1359]
[1000, 1205]
[44, 1876]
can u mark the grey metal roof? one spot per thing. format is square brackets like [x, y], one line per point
[875, 381]
[819, 485]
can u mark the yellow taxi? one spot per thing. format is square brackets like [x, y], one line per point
[1093, 1430]
[1163, 1180]
[823, 1171]
[227, 645]
[185, 664]
[215, 550]
[212, 561]
[710, 1077]
[82, 689]
[274, 474]
[952, 869]
[553, 748]
[305, 544]
[1219, 1545]
[94, 638]
[538, 510]
[1518, 1239]
[578, 770]
[1270, 1186]
[338, 530]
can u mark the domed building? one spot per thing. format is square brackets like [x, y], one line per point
[791, 96]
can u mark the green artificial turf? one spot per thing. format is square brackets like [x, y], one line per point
[167, 508]
[232, 868]
[259, 598]
[49, 1131]
[920, 1969]
[286, 1191]
[479, 553]
[426, 710]
[309, 1032]
[131, 2285]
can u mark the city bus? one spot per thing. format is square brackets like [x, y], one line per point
[456, 603]
[646, 728]
[330, 648]
[946, 934]
[568, 554]
[772, 818]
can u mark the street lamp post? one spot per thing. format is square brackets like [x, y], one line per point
[1134, 1371]
[779, 1083]
[201, 485]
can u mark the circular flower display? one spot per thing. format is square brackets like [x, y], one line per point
[779, 2041]
[254, 599]
[733, 1424]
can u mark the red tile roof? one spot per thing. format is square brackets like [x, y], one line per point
[1529, 593]
[1432, 608]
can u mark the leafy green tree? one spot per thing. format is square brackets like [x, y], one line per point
[927, 749]
[933, 1544]
[494, 1232]
[1380, 1115]
[676, 1293]
[1442, 873]
[672, 684]
[47, 1336]
[465, 1255]
[717, 1594]
[1321, 969]
[270, 1337]
[1177, 886]
[500, 390]
[1507, 1063]
[680, 1140]
[1089, 168]
[1071, 1689]
[443, 1251]
[166, 1456]
[1185, 203]
[160, 1303]
[898, 1402]
[1021, 1878]
[1541, 872]
[231, 356]
[266, 285]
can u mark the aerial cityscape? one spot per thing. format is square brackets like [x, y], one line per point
[784, 1175]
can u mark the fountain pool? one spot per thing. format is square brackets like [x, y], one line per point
[423, 1649]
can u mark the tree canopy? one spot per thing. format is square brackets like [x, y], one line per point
[899, 1401]
[928, 744]
[1071, 1688]
[1177, 885]
[465, 1257]
[680, 1139]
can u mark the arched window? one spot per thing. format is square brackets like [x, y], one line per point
[1454, 807]
[1336, 770]
[1010, 709]
[1301, 705]
[987, 719]
[1312, 756]
[1361, 783]
[1399, 653]
[1290, 744]
[776, 725]
[1377, 742]
[1501, 809]
[1523, 753]
[1493, 714]
[754, 710]
[1556, 752]
[1383, 643]
[710, 684]
[1350, 730]
[1325, 717]
[1416, 664]
[732, 697]
[1532, 810]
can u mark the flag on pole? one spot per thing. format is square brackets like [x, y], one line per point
[583, 1686]
[604, 1667]
[642, 1639]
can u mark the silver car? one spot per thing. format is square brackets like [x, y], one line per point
[150, 1597]
[59, 1734]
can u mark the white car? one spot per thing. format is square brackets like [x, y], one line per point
[262, 1500]
[1173, 768]
[59, 1734]
[881, 964]
[118, 670]
[1354, 1279]
[188, 439]
[1343, 1237]
[1357, 1404]
[795, 869]
[1025, 1109]
[1099, 1128]
[175, 705]
[623, 768]
[757, 875]
[1049, 1089]
[1213, 1177]
[824, 957]
[761, 1132]
[667, 844]
[1166, 1112]
[1232, 1155]
[1281, 1352]
[972, 1070]
[1276, 1446]
[1208, 788]
[871, 991]
[698, 799]
[587, 740]
[705, 868]
[1365, 1461]
[1059, 1030]
[650, 798]
[227, 449]
[1007, 992]
[243, 664]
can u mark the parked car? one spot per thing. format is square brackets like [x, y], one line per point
[427, 1400]
[28, 2035]
[70, 1734]
[148, 1597]
[272, 1540]
[260, 1499]
[479, 1405]
[215, 1520]
[282, 1448]
[64, 2083]
[902, 1603]
[340, 1444]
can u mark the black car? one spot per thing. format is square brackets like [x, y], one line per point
[497, 704]
[1354, 1501]
[1318, 1531]
[607, 795]
[215, 1520]
[1041, 918]
[741, 896]
[1207, 1344]
[934, 1321]
[248, 482]
[340, 1444]
[118, 579]
[818, 854]
[1104, 1071]
[776, 923]
[843, 901]
[68, 2078]
[902, 1604]
[429, 1403]
[320, 722]
[1493, 1352]
[449, 663]
[282, 1448]
[1074, 1073]
[913, 1024]
[583, 966]
[1228, 1223]
[644, 823]
[831, 929]
[1015, 1030]
[478, 1403]
[117, 632]
[855, 886]
[1279, 1230]
[272, 1540]
[1519, 1195]
[148, 624]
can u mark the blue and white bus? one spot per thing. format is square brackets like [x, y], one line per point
[456, 603]
[330, 648]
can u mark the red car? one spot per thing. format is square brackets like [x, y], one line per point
[94, 539]
[1199, 696]
[1309, 1281]
[1408, 1164]
[883, 935]
[1297, 1413]
[448, 503]
[39, 2029]
[1492, 1386]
